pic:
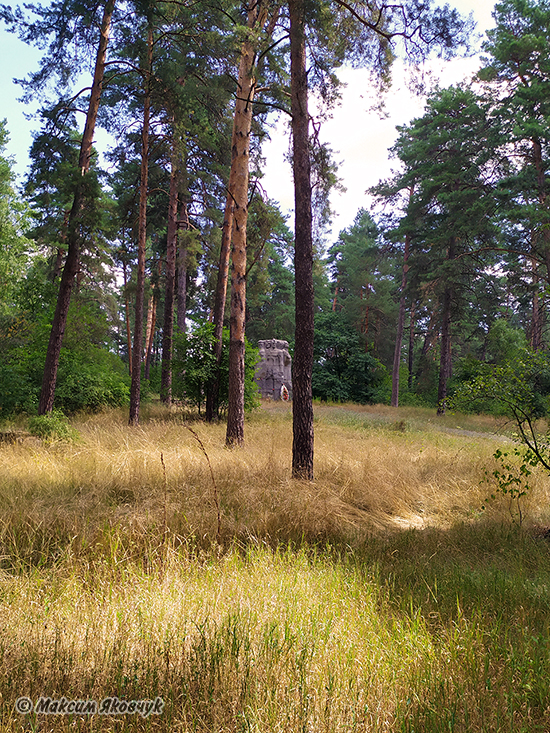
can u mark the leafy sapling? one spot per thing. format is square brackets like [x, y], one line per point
[512, 479]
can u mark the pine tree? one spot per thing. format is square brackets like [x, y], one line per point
[364, 35]
[449, 158]
[59, 62]
[518, 74]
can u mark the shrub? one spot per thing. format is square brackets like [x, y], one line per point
[92, 385]
[52, 426]
[194, 366]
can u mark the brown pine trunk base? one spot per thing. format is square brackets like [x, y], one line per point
[302, 405]
[135, 387]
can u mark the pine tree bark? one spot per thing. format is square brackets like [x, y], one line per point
[70, 269]
[400, 321]
[219, 301]
[171, 247]
[238, 189]
[536, 310]
[445, 356]
[400, 328]
[151, 327]
[137, 350]
[335, 299]
[411, 346]
[182, 274]
[127, 319]
[302, 412]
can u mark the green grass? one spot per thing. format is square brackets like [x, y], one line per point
[379, 598]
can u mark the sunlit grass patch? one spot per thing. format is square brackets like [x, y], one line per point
[384, 639]
[378, 598]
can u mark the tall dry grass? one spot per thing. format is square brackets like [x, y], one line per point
[368, 476]
[379, 598]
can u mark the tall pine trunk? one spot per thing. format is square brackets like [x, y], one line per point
[127, 318]
[137, 350]
[219, 301]
[171, 247]
[400, 328]
[410, 355]
[70, 269]
[182, 275]
[445, 356]
[537, 312]
[400, 321]
[151, 326]
[238, 189]
[302, 406]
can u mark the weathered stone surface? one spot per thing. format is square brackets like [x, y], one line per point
[274, 369]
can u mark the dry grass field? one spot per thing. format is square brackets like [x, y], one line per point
[381, 597]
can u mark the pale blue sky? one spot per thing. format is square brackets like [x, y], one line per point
[16, 60]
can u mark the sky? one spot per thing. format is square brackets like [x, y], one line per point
[359, 137]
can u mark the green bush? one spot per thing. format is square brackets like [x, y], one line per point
[194, 366]
[92, 385]
[342, 371]
[90, 376]
[519, 388]
[52, 426]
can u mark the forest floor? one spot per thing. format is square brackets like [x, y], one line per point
[381, 597]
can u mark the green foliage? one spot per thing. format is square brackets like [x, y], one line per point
[22, 347]
[505, 346]
[511, 478]
[90, 376]
[521, 390]
[342, 370]
[51, 427]
[194, 366]
[270, 281]
[92, 381]
[505, 342]
[363, 285]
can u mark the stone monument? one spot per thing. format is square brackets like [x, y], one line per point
[274, 370]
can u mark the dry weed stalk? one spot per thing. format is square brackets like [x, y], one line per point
[216, 495]
[164, 524]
